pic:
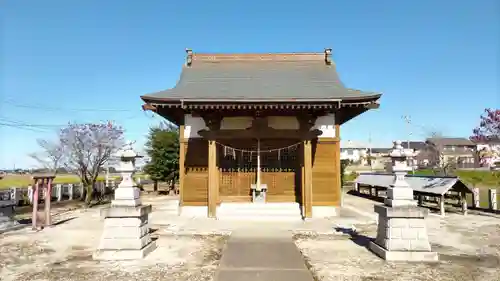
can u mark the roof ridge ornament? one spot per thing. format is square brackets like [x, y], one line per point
[189, 57]
[328, 56]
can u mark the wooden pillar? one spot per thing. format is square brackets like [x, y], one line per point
[337, 161]
[212, 179]
[307, 179]
[182, 160]
[47, 201]
[463, 202]
[441, 205]
[475, 197]
[34, 216]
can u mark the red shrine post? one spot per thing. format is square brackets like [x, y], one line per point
[44, 183]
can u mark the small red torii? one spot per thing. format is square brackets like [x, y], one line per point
[45, 183]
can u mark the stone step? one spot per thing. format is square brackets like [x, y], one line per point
[260, 206]
[273, 218]
[259, 212]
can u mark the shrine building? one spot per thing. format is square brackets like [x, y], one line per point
[260, 129]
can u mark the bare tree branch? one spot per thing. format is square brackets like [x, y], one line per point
[51, 156]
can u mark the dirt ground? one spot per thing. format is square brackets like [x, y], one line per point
[468, 247]
[64, 252]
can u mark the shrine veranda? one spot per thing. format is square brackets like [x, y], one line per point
[271, 121]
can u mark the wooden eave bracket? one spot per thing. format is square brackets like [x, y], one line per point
[148, 106]
[373, 105]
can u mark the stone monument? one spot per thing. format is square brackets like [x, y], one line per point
[402, 232]
[7, 222]
[126, 232]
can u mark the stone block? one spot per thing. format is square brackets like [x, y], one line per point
[409, 234]
[392, 233]
[126, 254]
[400, 212]
[126, 211]
[125, 232]
[417, 223]
[422, 233]
[124, 243]
[395, 222]
[127, 193]
[396, 245]
[400, 193]
[407, 256]
[399, 202]
[420, 245]
[126, 203]
[126, 222]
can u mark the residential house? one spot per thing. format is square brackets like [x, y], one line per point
[439, 151]
[379, 157]
[416, 147]
[354, 151]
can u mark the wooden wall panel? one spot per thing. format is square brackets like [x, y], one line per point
[195, 186]
[326, 173]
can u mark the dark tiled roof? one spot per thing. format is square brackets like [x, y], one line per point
[450, 141]
[416, 145]
[381, 150]
[260, 77]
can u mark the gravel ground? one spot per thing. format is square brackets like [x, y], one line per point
[469, 249]
[64, 252]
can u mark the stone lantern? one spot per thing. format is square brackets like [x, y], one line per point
[126, 232]
[401, 233]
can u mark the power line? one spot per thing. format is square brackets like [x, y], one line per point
[22, 127]
[26, 124]
[50, 108]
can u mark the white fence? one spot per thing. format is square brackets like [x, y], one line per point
[60, 192]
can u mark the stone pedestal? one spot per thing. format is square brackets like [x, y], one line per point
[126, 234]
[7, 222]
[402, 232]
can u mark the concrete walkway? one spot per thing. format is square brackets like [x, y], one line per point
[251, 254]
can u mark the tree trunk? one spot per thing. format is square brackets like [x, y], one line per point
[88, 197]
[155, 186]
[84, 192]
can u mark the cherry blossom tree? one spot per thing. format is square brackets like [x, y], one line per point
[87, 147]
[489, 127]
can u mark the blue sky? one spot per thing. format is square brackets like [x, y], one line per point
[434, 60]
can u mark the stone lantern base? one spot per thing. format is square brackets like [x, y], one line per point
[126, 233]
[402, 234]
